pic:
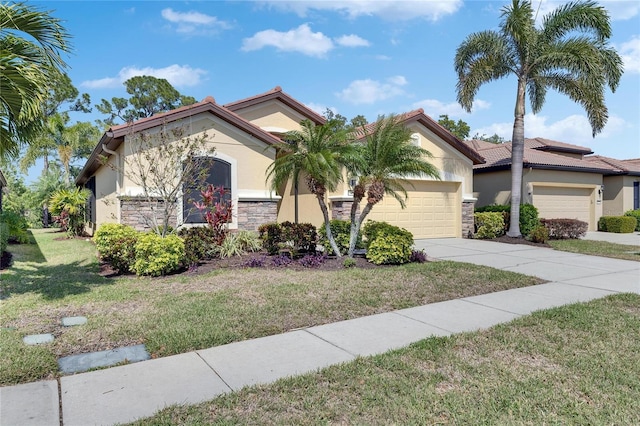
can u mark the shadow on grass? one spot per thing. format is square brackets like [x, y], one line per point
[52, 282]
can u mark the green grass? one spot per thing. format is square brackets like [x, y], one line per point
[598, 248]
[577, 364]
[58, 277]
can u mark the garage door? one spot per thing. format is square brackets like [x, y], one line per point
[433, 210]
[563, 203]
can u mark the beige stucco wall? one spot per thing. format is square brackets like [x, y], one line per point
[308, 207]
[108, 178]
[618, 194]
[273, 116]
[492, 188]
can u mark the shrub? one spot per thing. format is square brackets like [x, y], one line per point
[372, 230]
[489, 225]
[312, 260]
[231, 246]
[17, 227]
[158, 256]
[216, 209]
[298, 237]
[270, 236]
[341, 231]
[249, 241]
[348, 262]
[68, 208]
[418, 256]
[389, 249]
[255, 262]
[528, 218]
[634, 213]
[116, 245]
[281, 260]
[4, 237]
[539, 234]
[199, 244]
[560, 229]
[617, 224]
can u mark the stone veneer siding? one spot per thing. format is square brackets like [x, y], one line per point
[138, 213]
[468, 228]
[341, 210]
[252, 214]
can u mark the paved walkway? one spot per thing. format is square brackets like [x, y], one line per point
[123, 394]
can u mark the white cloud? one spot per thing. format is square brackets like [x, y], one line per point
[383, 57]
[389, 10]
[352, 40]
[194, 22]
[320, 109]
[630, 53]
[370, 91]
[177, 75]
[300, 39]
[573, 129]
[435, 108]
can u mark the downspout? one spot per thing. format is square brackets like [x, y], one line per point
[117, 159]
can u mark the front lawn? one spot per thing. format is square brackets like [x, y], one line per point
[598, 248]
[577, 364]
[175, 314]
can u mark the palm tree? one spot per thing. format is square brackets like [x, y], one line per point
[28, 65]
[318, 154]
[568, 52]
[385, 161]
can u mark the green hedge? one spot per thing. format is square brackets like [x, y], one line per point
[158, 256]
[372, 229]
[17, 227]
[529, 218]
[617, 224]
[634, 213]
[341, 231]
[387, 244]
[489, 225]
[116, 245]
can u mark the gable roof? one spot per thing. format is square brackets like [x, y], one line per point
[277, 94]
[114, 136]
[498, 157]
[419, 116]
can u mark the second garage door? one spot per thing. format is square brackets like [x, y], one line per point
[433, 210]
[564, 203]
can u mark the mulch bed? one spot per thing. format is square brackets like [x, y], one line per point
[519, 240]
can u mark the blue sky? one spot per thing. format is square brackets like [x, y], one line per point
[355, 57]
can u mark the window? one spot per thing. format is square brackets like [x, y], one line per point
[215, 172]
[636, 195]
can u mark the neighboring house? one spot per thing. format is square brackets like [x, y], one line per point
[621, 186]
[243, 134]
[3, 184]
[557, 178]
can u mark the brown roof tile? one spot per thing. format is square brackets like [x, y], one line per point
[631, 166]
[543, 144]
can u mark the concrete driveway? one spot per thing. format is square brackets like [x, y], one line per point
[632, 239]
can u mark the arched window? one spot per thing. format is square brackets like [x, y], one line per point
[209, 171]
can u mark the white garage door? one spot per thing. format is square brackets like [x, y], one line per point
[563, 203]
[433, 210]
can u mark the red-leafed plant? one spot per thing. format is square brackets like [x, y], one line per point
[217, 210]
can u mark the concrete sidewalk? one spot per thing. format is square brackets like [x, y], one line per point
[123, 394]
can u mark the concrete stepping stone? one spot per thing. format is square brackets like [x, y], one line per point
[38, 339]
[84, 362]
[73, 321]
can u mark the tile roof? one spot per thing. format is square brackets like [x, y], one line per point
[419, 116]
[631, 166]
[543, 144]
[498, 156]
[277, 93]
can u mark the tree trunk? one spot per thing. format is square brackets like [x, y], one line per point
[327, 227]
[355, 230]
[517, 155]
[295, 199]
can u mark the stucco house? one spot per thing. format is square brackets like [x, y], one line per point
[244, 133]
[560, 179]
[621, 185]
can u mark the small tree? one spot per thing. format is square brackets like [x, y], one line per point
[384, 162]
[68, 207]
[162, 163]
[459, 128]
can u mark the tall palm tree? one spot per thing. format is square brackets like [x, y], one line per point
[28, 65]
[568, 52]
[385, 162]
[318, 154]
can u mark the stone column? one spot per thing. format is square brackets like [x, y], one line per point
[467, 218]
